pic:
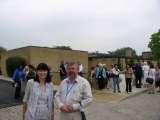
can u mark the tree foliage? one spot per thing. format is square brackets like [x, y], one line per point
[63, 47]
[2, 49]
[154, 45]
[12, 63]
[122, 52]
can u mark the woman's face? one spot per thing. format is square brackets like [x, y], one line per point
[42, 74]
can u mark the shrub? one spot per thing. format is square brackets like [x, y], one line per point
[12, 63]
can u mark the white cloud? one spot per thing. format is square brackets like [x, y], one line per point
[91, 25]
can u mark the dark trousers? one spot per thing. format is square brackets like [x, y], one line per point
[138, 82]
[128, 85]
[106, 82]
[101, 83]
[18, 90]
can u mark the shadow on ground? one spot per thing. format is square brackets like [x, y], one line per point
[7, 95]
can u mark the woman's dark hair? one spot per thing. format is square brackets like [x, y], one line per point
[92, 68]
[115, 65]
[31, 67]
[43, 66]
[151, 65]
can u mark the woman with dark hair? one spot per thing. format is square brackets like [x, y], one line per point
[38, 98]
[31, 72]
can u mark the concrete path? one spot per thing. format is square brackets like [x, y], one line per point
[142, 107]
[107, 106]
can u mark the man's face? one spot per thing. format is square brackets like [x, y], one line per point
[72, 71]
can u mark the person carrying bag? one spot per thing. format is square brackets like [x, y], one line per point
[151, 79]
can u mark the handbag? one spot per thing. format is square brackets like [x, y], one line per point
[83, 115]
[149, 80]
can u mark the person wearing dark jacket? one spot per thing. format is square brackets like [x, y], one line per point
[18, 77]
[31, 73]
[63, 72]
[138, 75]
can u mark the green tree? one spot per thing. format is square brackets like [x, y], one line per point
[2, 49]
[63, 47]
[122, 52]
[154, 45]
[12, 63]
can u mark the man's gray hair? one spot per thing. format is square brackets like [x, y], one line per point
[72, 63]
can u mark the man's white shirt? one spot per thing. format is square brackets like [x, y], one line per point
[77, 94]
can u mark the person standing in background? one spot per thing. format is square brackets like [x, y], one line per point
[115, 72]
[63, 73]
[145, 69]
[128, 78]
[100, 76]
[0, 73]
[138, 74]
[80, 72]
[157, 78]
[31, 73]
[18, 77]
[92, 78]
[151, 76]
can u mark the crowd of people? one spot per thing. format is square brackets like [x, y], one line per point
[100, 77]
[141, 74]
[74, 93]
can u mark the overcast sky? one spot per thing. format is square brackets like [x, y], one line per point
[90, 25]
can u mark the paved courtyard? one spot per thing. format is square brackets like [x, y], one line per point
[141, 107]
[106, 105]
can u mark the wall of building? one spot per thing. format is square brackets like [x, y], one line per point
[23, 52]
[147, 55]
[53, 57]
[35, 55]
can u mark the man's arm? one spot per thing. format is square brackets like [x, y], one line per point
[61, 106]
[57, 97]
[86, 97]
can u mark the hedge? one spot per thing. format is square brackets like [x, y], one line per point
[12, 63]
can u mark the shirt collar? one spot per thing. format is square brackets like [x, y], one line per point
[75, 81]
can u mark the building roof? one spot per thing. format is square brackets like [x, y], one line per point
[43, 47]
